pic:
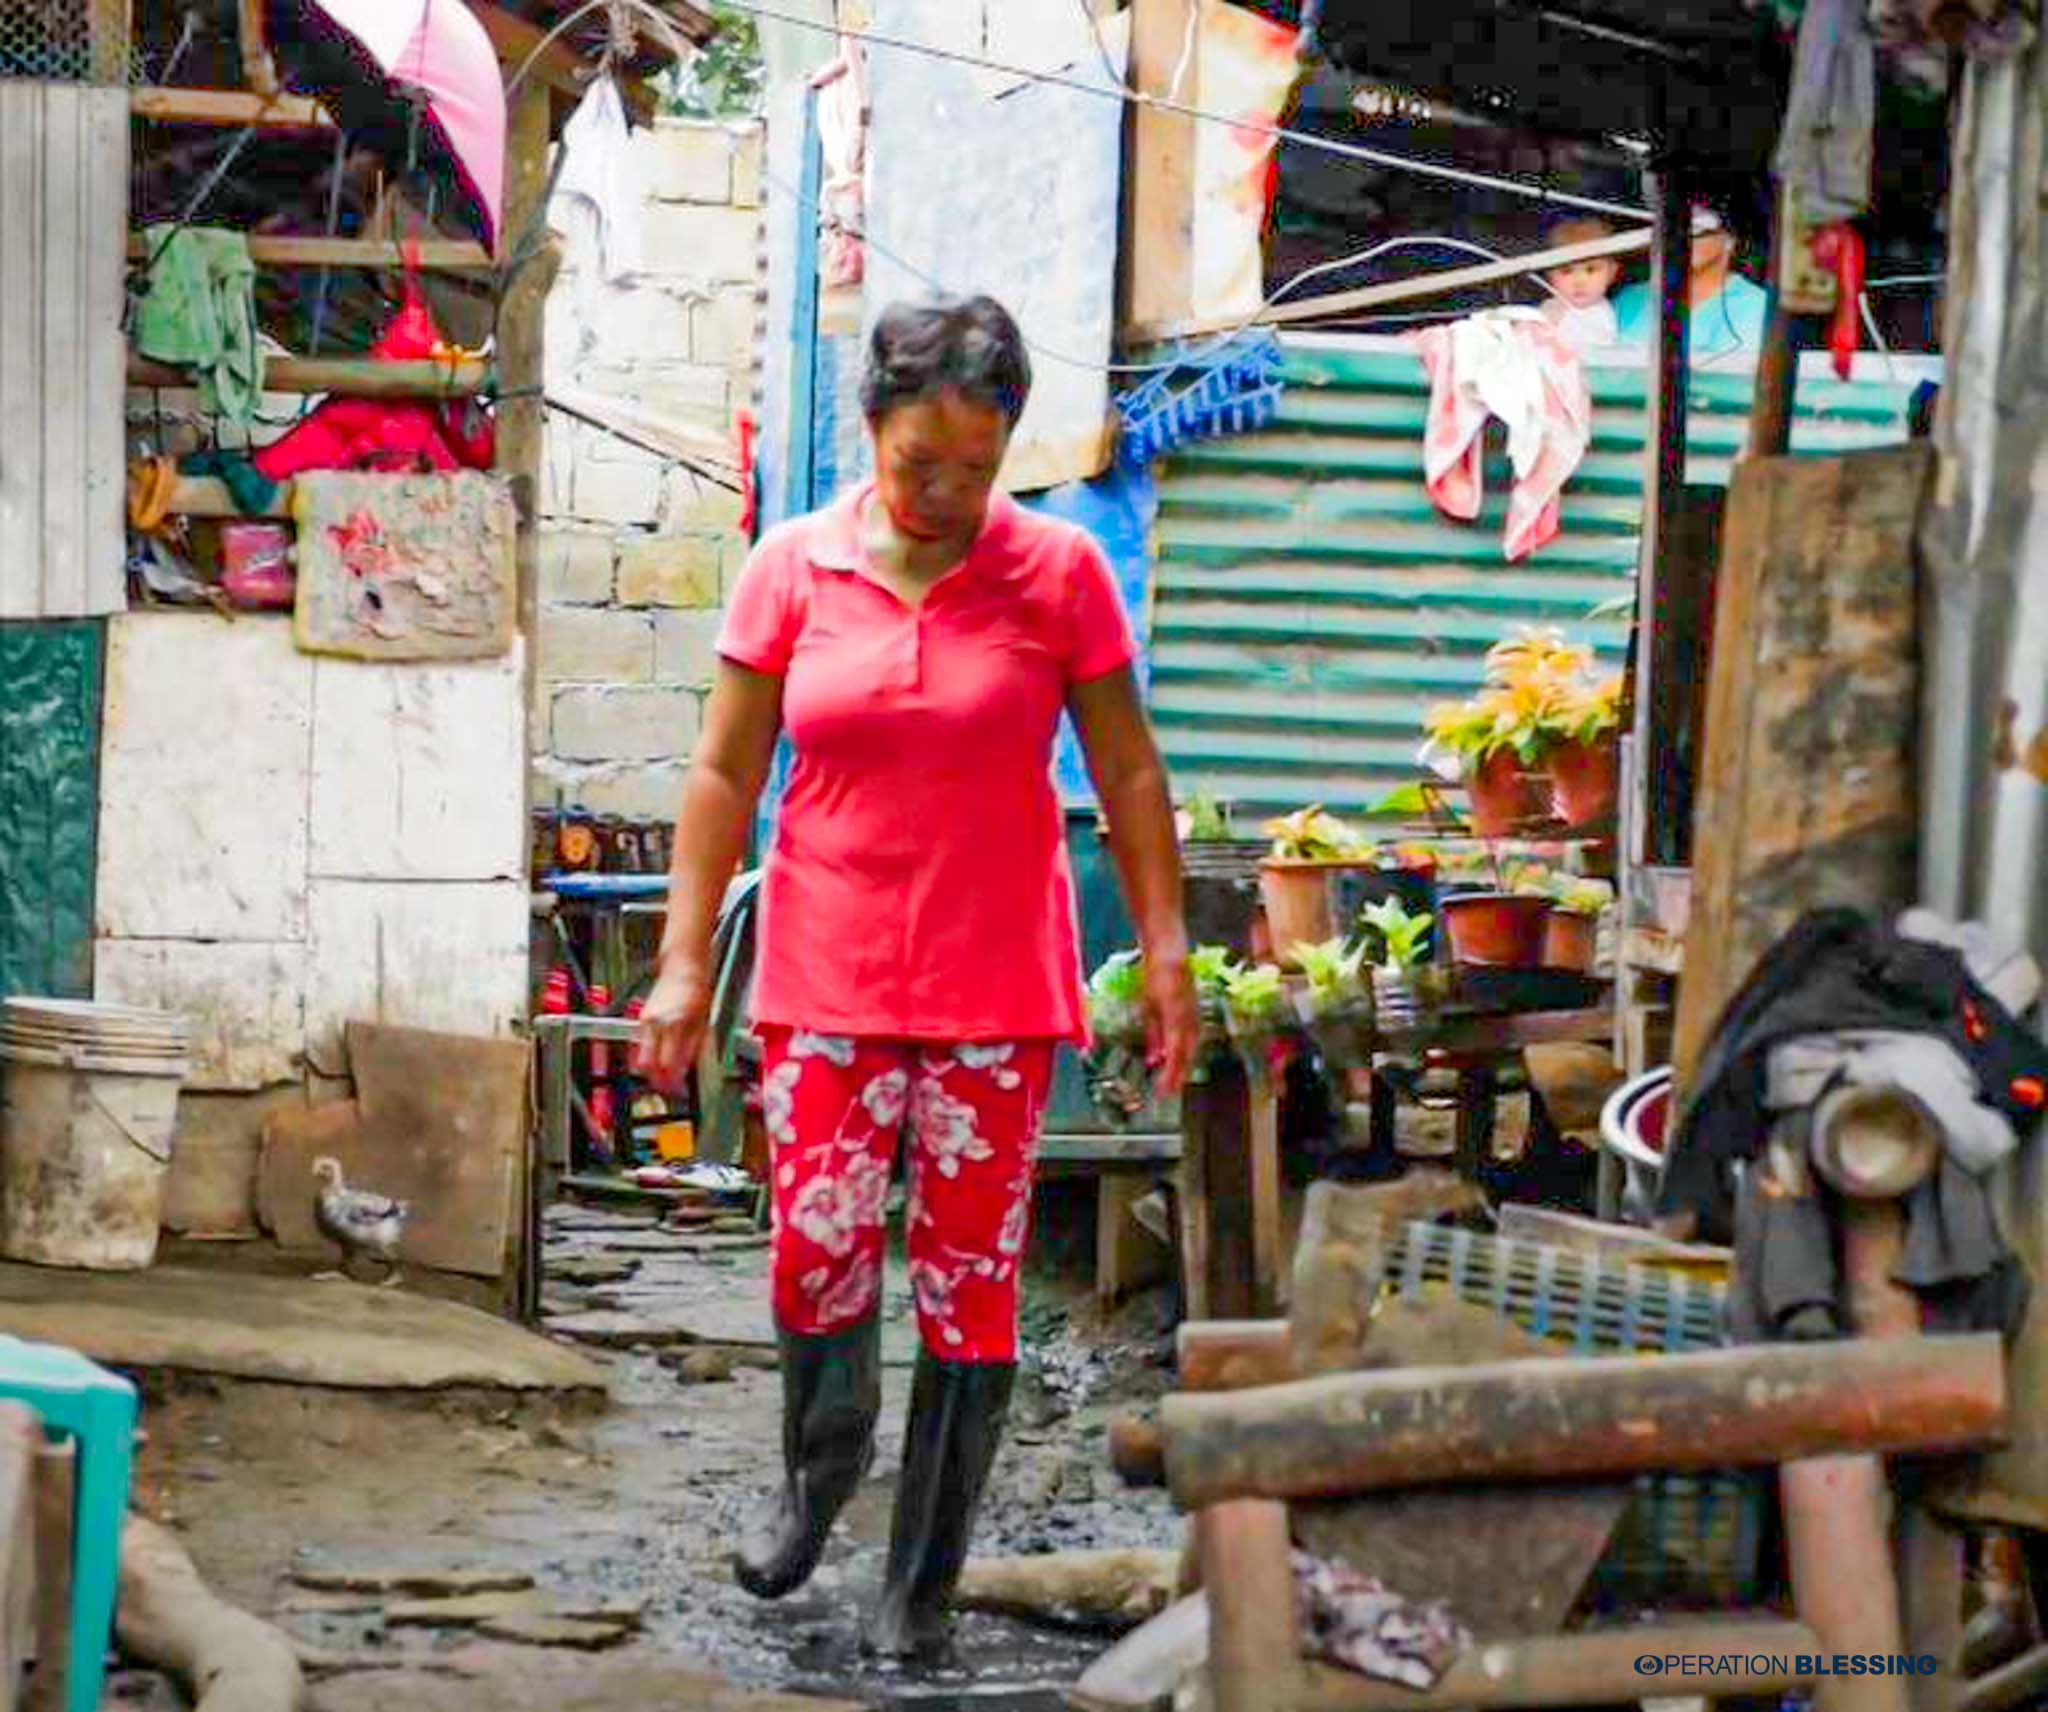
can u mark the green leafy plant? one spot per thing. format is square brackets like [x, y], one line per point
[726, 78]
[1538, 692]
[1405, 801]
[1582, 897]
[1252, 998]
[1208, 820]
[1315, 835]
[1211, 967]
[1400, 932]
[1335, 973]
[1116, 997]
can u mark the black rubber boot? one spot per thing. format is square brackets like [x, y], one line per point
[831, 1394]
[956, 1421]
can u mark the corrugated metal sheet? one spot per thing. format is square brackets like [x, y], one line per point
[49, 805]
[63, 238]
[1309, 602]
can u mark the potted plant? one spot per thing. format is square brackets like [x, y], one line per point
[1338, 1003]
[1496, 930]
[1571, 933]
[1119, 1076]
[1294, 880]
[1537, 697]
[1405, 976]
[1583, 767]
[1252, 1001]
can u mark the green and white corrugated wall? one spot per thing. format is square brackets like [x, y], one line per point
[1309, 603]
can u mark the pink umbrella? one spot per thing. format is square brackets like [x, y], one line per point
[438, 47]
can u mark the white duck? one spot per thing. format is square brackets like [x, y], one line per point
[359, 1222]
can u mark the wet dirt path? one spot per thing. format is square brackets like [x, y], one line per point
[637, 1501]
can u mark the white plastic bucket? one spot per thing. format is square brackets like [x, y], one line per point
[1632, 1127]
[88, 1114]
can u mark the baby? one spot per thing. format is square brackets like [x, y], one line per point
[1578, 306]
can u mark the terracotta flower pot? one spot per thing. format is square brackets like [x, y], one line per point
[1583, 784]
[1505, 799]
[1571, 942]
[1498, 930]
[1296, 896]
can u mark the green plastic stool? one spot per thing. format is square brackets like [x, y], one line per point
[96, 1410]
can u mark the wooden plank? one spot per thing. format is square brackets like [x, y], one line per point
[349, 377]
[1591, 1669]
[1807, 792]
[21, 1438]
[237, 107]
[433, 256]
[1248, 1579]
[1441, 281]
[1510, 1559]
[1159, 192]
[206, 496]
[1658, 611]
[1269, 1269]
[22, 263]
[1837, 1536]
[1339, 1261]
[1233, 1355]
[102, 287]
[554, 64]
[1536, 1420]
[1127, 1256]
[63, 335]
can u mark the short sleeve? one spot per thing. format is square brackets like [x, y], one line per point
[761, 620]
[1099, 635]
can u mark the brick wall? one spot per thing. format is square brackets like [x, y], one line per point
[636, 554]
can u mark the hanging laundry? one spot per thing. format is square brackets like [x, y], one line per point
[198, 310]
[1824, 150]
[1234, 389]
[842, 143]
[597, 191]
[1511, 364]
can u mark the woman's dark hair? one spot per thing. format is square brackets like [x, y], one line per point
[966, 345]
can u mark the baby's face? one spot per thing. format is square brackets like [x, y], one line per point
[1583, 284]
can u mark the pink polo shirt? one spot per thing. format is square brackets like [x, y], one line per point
[919, 887]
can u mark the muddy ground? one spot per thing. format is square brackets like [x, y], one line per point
[637, 1500]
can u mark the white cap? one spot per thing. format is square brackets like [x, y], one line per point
[1705, 220]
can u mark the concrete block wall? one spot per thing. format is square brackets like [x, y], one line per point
[637, 555]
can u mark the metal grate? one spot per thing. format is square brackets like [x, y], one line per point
[65, 41]
[1685, 1539]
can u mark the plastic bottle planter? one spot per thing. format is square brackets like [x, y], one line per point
[1342, 1026]
[1409, 997]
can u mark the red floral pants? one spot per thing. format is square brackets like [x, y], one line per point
[834, 1108]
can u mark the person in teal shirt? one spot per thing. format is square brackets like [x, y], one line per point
[1728, 311]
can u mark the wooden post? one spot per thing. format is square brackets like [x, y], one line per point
[1539, 1420]
[1234, 1355]
[1663, 477]
[1837, 1510]
[521, 437]
[1157, 288]
[1268, 1219]
[1248, 1579]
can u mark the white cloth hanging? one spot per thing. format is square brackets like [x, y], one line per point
[598, 192]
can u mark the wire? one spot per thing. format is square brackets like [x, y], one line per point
[1094, 29]
[1254, 127]
[1194, 354]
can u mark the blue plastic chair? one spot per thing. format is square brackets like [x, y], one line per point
[96, 1410]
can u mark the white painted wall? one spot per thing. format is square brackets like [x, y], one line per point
[290, 844]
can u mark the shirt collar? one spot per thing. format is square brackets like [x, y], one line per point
[836, 539]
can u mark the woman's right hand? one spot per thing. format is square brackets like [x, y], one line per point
[672, 1025]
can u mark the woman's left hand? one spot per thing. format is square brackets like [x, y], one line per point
[1172, 1022]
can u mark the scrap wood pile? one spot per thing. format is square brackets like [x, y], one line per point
[1409, 1493]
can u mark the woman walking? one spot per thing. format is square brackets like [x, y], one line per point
[918, 963]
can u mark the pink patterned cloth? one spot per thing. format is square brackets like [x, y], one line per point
[1509, 363]
[833, 1107]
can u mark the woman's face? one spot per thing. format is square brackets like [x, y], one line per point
[936, 462]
